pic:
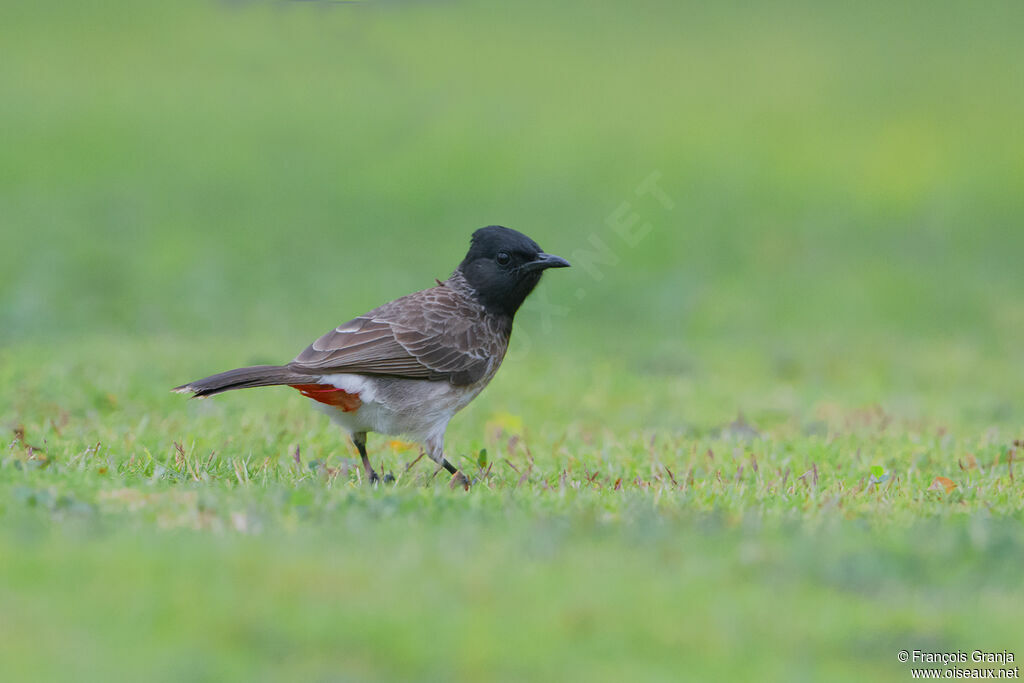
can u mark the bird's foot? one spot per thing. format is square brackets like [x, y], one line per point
[375, 478]
[459, 480]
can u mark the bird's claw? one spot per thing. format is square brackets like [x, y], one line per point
[375, 478]
[459, 479]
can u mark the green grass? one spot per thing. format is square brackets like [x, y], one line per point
[715, 459]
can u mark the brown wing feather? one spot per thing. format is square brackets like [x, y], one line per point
[436, 334]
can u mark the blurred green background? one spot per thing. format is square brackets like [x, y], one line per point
[190, 187]
[847, 181]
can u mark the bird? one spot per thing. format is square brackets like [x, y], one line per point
[406, 367]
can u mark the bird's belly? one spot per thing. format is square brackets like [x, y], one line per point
[369, 417]
[418, 409]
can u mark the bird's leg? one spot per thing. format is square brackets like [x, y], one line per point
[435, 450]
[359, 439]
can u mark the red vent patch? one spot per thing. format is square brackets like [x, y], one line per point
[332, 396]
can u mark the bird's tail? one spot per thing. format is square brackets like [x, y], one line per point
[242, 378]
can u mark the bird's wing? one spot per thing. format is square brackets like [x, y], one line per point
[434, 334]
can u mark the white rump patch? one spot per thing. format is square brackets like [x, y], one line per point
[352, 384]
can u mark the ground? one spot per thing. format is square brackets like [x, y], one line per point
[768, 427]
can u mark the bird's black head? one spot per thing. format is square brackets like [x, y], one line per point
[504, 266]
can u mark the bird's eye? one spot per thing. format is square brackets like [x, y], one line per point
[502, 258]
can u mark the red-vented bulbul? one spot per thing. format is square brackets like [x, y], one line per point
[407, 367]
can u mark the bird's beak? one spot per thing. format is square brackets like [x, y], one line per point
[544, 261]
